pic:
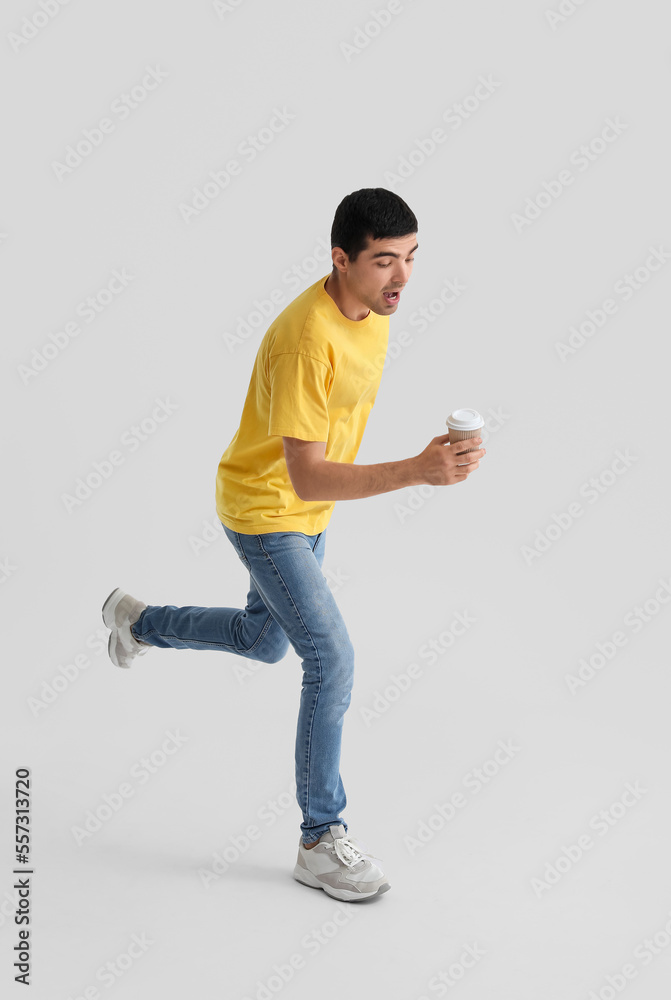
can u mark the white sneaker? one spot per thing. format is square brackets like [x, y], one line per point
[120, 611]
[339, 866]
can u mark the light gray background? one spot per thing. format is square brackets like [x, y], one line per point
[398, 578]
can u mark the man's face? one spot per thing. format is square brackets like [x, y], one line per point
[384, 266]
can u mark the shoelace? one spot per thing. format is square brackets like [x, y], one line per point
[347, 851]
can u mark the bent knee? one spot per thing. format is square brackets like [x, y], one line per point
[275, 653]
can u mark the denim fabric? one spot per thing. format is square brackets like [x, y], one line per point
[289, 602]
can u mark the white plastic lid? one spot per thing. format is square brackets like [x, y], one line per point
[465, 420]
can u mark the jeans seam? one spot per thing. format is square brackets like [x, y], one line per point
[244, 561]
[241, 552]
[205, 642]
[265, 628]
[316, 700]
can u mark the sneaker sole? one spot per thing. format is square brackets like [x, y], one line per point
[344, 895]
[111, 652]
[108, 614]
[109, 607]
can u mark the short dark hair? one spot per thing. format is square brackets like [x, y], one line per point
[373, 213]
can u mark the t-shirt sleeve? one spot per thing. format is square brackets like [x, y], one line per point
[299, 386]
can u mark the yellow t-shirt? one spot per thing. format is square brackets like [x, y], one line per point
[315, 377]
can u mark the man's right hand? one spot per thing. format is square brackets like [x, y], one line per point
[442, 463]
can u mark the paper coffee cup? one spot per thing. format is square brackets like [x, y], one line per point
[464, 424]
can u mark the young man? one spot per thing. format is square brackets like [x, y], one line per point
[314, 382]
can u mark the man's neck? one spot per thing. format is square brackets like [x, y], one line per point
[347, 304]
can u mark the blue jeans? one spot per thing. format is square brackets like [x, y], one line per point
[289, 602]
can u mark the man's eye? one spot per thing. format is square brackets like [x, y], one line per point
[384, 265]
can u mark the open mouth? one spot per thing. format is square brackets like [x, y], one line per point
[391, 296]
